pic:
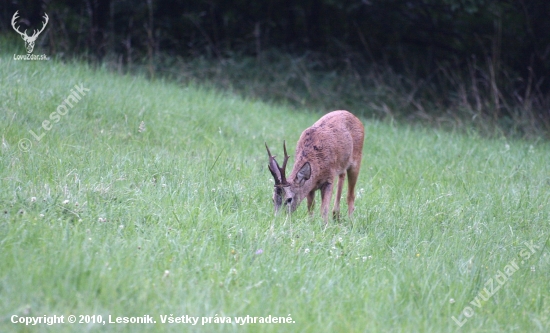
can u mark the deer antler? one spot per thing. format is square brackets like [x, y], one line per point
[274, 167]
[277, 172]
[13, 19]
[283, 177]
[35, 33]
[46, 18]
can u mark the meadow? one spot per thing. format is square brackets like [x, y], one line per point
[148, 197]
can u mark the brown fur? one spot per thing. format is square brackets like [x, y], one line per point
[330, 148]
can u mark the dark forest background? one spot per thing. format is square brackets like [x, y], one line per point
[478, 62]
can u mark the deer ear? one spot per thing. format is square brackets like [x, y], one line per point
[304, 173]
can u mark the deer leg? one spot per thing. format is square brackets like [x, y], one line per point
[353, 173]
[326, 194]
[336, 209]
[310, 202]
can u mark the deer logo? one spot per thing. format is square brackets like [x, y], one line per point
[330, 148]
[29, 40]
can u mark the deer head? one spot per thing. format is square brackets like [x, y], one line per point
[278, 174]
[29, 40]
[284, 192]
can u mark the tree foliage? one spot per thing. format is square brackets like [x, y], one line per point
[514, 32]
[491, 41]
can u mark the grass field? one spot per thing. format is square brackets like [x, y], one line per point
[150, 198]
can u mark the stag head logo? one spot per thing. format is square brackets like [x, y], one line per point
[29, 40]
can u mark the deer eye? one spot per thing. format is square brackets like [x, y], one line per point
[277, 199]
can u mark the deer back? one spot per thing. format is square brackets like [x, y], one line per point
[326, 149]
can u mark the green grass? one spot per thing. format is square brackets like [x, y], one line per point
[170, 219]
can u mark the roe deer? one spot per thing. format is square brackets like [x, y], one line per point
[326, 150]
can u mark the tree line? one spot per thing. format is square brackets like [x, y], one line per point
[512, 32]
[511, 38]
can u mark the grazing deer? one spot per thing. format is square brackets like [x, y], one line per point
[29, 40]
[330, 148]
